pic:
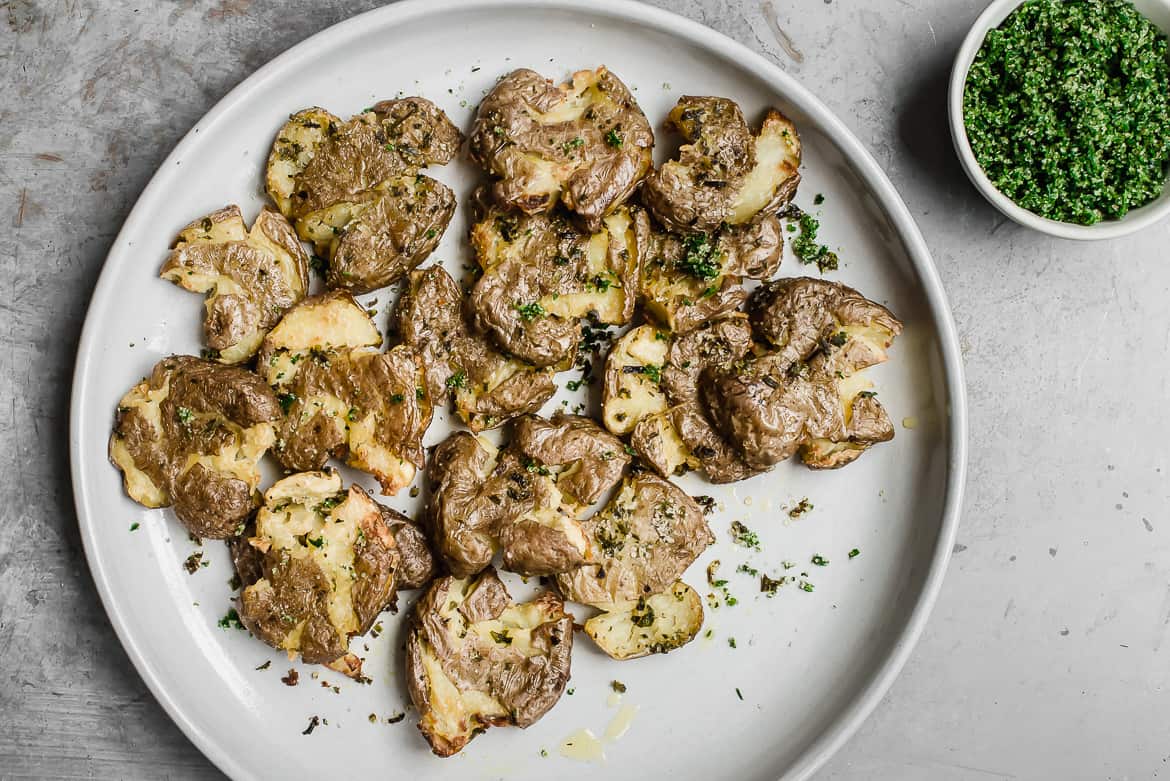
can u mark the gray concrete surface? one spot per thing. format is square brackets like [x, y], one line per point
[1047, 655]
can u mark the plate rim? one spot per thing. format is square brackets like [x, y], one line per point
[865, 700]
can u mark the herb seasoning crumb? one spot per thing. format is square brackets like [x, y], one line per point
[618, 687]
[265, 665]
[291, 679]
[853, 554]
[231, 620]
[802, 507]
[397, 717]
[314, 722]
[738, 693]
[134, 526]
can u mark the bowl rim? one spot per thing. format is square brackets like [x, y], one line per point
[1136, 220]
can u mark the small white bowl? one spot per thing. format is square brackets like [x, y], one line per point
[1158, 12]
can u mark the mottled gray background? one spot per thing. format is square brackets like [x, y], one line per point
[1043, 658]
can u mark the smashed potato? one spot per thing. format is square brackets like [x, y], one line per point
[485, 500]
[475, 659]
[488, 387]
[251, 277]
[585, 144]
[723, 174]
[191, 435]
[656, 624]
[317, 568]
[355, 191]
[540, 275]
[641, 542]
[584, 459]
[342, 397]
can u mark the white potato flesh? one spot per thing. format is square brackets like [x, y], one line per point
[295, 145]
[777, 160]
[656, 624]
[632, 394]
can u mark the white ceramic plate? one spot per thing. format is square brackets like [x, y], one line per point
[808, 666]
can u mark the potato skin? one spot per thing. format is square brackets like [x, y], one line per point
[694, 194]
[541, 152]
[459, 363]
[484, 501]
[191, 435]
[540, 275]
[393, 138]
[446, 658]
[355, 190]
[418, 566]
[400, 229]
[796, 316]
[567, 440]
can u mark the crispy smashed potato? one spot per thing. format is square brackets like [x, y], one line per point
[656, 624]
[540, 275]
[489, 388]
[723, 173]
[355, 191]
[192, 435]
[641, 542]
[651, 393]
[317, 568]
[250, 277]
[475, 659]
[485, 500]
[342, 397]
[585, 144]
[807, 395]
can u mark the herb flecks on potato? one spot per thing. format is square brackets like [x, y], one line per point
[354, 188]
[488, 387]
[251, 277]
[475, 659]
[540, 275]
[192, 435]
[641, 543]
[341, 397]
[584, 459]
[724, 174]
[654, 624]
[585, 144]
[318, 567]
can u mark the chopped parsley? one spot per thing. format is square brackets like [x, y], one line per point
[613, 138]
[319, 265]
[618, 687]
[744, 536]
[134, 526]
[808, 251]
[867, 394]
[185, 416]
[806, 586]
[818, 199]
[1067, 109]
[457, 380]
[503, 638]
[529, 312]
[820, 560]
[575, 143]
[700, 257]
[231, 620]
[286, 401]
[731, 642]
[397, 398]
[853, 554]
